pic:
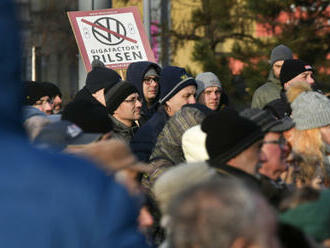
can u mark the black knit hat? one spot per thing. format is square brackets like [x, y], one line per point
[33, 91]
[90, 118]
[52, 89]
[172, 80]
[292, 68]
[101, 77]
[228, 134]
[115, 95]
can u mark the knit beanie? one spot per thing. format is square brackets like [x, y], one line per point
[101, 77]
[33, 92]
[115, 95]
[280, 52]
[310, 109]
[292, 68]
[89, 118]
[193, 144]
[311, 217]
[205, 80]
[52, 89]
[172, 80]
[229, 134]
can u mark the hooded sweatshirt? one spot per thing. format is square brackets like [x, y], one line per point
[135, 74]
[50, 199]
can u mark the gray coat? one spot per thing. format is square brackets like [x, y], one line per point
[267, 92]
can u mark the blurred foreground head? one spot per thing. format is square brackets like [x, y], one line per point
[220, 213]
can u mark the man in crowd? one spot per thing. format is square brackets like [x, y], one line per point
[276, 151]
[177, 88]
[55, 96]
[37, 100]
[296, 70]
[293, 70]
[50, 199]
[221, 213]
[209, 90]
[145, 76]
[272, 88]
[87, 110]
[124, 107]
[234, 145]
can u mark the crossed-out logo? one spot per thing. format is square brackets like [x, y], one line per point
[114, 36]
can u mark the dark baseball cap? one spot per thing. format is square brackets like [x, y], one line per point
[267, 121]
[61, 134]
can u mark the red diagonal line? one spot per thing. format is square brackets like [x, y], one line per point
[108, 31]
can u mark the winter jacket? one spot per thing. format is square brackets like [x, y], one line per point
[267, 92]
[144, 141]
[50, 199]
[168, 149]
[121, 131]
[135, 75]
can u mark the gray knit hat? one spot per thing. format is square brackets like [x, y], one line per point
[205, 80]
[311, 110]
[280, 52]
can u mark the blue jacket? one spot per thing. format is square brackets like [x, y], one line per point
[135, 75]
[48, 199]
[144, 141]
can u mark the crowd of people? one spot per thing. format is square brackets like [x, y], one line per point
[162, 159]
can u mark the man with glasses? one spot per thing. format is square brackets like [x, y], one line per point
[123, 104]
[276, 151]
[145, 76]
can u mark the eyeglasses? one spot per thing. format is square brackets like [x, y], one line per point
[149, 80]
[133, 100]
[281, 142]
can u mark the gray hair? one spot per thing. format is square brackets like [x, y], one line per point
[215, 214]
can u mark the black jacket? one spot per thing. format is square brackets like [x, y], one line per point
[121, 131]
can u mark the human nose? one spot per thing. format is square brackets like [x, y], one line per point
[262, 157]
[138, 103]
[310, 80]
[48, 106]
[191, 100]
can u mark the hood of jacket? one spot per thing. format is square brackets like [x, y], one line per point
[272, 79]
[135, 74]
[11, 87]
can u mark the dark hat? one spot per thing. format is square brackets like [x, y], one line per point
[280, 52]
[292, 68]
[267, 121]
[62, 133]
[172, 80]
[228, 134]
[101, 77]
[52, 89]
[90, 118]
[279, 108]
[151, 72]
[33, 92]
[115, 95]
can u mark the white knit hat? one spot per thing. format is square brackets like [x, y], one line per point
[311, 110]
[193, 144]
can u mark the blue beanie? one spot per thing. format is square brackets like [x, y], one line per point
[172, 80]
